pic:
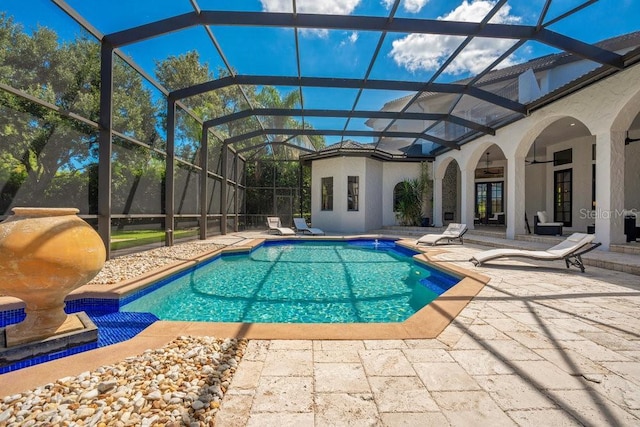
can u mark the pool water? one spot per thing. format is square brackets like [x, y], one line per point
[301, 282]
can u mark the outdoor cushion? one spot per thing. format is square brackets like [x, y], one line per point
[542, 216]
[543, 220]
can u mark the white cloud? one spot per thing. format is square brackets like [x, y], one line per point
[411, 6]
[329, 7]
[324, 7]
[351, 39]
[427, 52]
[414, 6]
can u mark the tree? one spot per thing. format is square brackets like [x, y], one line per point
[41, 145]
[408, 202]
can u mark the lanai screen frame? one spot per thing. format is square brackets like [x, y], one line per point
[111, 43]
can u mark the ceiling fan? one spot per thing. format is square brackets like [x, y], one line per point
[534, 161]
[488, 171]
[628, 140]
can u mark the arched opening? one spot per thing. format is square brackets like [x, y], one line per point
[490, 188]
[632, 182]
[451, 183]
[560, 177]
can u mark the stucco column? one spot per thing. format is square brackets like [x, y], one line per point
[437, 202]
[467, 195]
[609, 188]
[515, 196]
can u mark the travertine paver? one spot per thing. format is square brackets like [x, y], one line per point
[401, 394]
[298, 363]
[511, 392]
[481, 362]
[341, 377]
[538, 346]
[471, 408]
[284, 394]
[386, 363]
[543, 417]
[445, 377]
[352, 409]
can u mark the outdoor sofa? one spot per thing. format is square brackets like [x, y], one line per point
[542, 226]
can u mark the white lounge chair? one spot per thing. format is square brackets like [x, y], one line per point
[301, 226]
[453, 232]
[274, 224]
[570, 250]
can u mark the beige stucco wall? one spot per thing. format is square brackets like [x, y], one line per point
[372, 181]
[339, 219]
[632, 176]
[394, 172]
[377, 181]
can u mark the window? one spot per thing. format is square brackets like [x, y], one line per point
[327, 194]
[353, 191]
[397, 193]
[563, 157]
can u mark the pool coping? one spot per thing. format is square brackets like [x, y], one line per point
[428, 322]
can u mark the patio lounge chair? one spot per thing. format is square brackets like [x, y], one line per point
[301, 226]
[274, 224]
[453, 232]
[570, 250]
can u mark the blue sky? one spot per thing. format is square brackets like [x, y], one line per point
[335, 53]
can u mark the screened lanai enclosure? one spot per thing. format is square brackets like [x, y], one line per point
[163, 121]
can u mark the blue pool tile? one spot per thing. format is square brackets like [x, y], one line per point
[113, 327]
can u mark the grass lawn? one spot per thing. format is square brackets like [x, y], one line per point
[131, 238]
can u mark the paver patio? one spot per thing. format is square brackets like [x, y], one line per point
[539, 345]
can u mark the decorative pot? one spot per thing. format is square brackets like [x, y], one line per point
[45, 253]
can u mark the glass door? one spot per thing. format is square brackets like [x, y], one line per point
[562, 196]
[489, 200]
[496, 197]
[481, 202]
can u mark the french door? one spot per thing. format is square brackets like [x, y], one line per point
[563, 183]
[489, 199]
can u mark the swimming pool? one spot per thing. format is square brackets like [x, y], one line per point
[300, 282]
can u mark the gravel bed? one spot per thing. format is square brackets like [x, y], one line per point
[180, 384]
[130, 266]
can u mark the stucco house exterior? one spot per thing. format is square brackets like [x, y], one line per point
[361, 181]
[584, 172]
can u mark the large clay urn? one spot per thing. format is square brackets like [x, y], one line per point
[45, 253]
